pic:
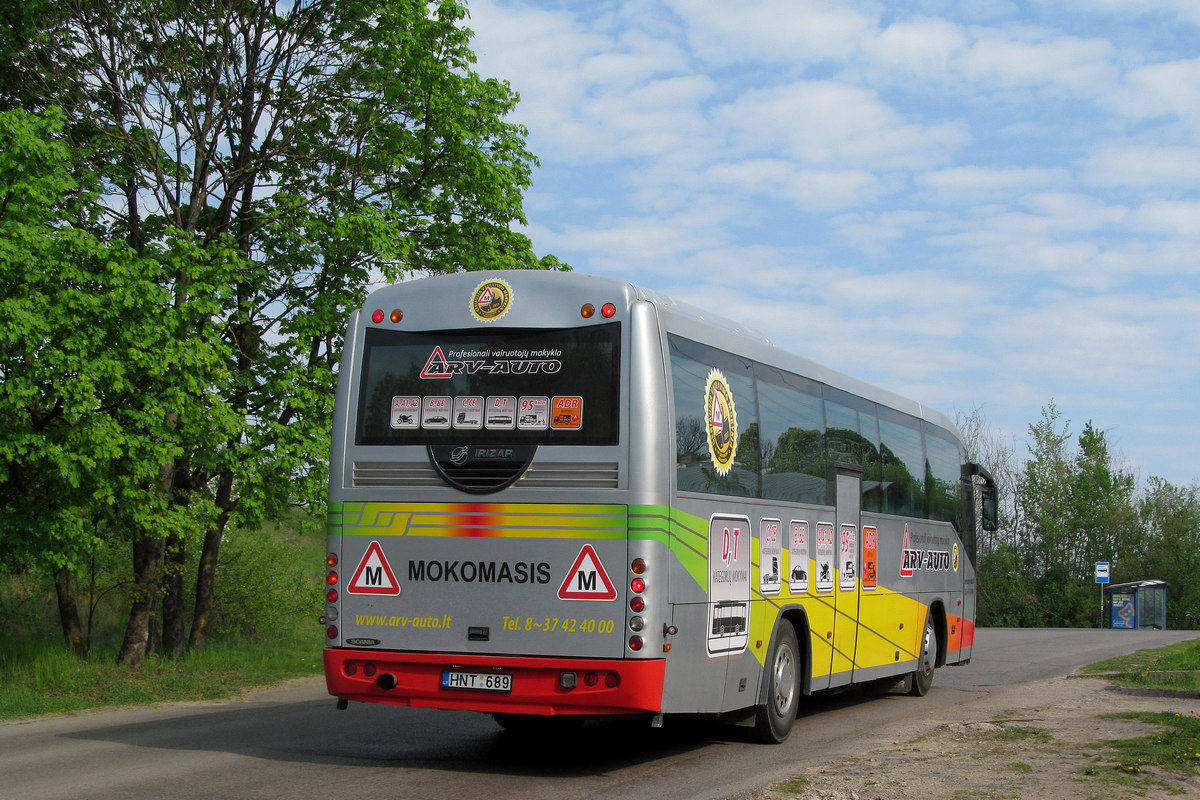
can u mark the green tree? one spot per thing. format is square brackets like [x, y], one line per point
[1075, 507]
[1168, 548]
[92, 374]
[274, 161]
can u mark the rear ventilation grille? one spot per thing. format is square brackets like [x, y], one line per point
[567, 475]
[394, 473]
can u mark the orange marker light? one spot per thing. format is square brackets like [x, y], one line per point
[397, 315]
[587, 311]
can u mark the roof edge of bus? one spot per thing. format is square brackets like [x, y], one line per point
[829, 375]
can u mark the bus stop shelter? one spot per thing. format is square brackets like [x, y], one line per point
[1138, 605]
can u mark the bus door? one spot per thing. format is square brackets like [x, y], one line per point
[847, 550]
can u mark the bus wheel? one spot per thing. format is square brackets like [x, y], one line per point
[775, 718]
[922, 677]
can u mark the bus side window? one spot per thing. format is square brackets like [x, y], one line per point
[691, 365]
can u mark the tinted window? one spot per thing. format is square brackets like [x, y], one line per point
[902, 458]
[943, 479]
[792, 429]
[852, 436]
[696, 470]
[503, 386]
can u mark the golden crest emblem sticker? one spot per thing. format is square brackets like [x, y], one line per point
[956, 556]
[721, 421]
[491, 300]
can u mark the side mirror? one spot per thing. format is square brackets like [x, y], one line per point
[988, 503]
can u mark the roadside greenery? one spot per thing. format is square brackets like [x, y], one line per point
[1176, 667]
[1176, 747]
[1070, 504]
[265, 630]
[190, 204]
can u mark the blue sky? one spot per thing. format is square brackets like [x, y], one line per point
[975, 203]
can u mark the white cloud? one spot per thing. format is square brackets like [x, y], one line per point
[1169, 89]
[968, 202]
[800, 32]
[823, 123]
[985, 184]
[807, 189]
[1142, 166]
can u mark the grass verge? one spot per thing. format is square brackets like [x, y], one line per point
[44, 679]
[1176, 667]
[1176, 747]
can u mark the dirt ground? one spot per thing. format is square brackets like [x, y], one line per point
[1043, 740]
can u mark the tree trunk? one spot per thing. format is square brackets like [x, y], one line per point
[147, 566]
[174, 605]
[68, 611]
[206, 572]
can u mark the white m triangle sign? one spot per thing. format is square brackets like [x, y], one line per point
[374, 575]
[586, 579]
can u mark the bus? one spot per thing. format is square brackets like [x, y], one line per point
[556, 497]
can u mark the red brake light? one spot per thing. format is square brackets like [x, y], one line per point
[638, 585]
[608, 309]
[635, 642]
[331, 579]
[377, 316]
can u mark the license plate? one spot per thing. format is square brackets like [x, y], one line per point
[479, 681]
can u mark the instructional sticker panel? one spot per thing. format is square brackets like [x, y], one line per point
[491, 386]
[728, 584]
[798, 557]
[825, 549]
[770, 549]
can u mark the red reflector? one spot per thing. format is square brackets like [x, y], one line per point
[350, 668]
[368, 669]
[637, 605]
[638, 585]
[331, 596]
[635, 643]
[612, 680]
[608, 309]
[331, 631]
[591, 678]
[377, 315]
[331, 579]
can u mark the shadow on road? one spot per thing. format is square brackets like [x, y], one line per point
[313, 732]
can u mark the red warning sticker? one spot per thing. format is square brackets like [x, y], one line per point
[374, 575]
[586, 579]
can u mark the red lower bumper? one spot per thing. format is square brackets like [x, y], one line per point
[415, 679]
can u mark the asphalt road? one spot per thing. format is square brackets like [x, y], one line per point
[290, 742]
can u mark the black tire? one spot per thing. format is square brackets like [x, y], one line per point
[775, 718]
[922, 677]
